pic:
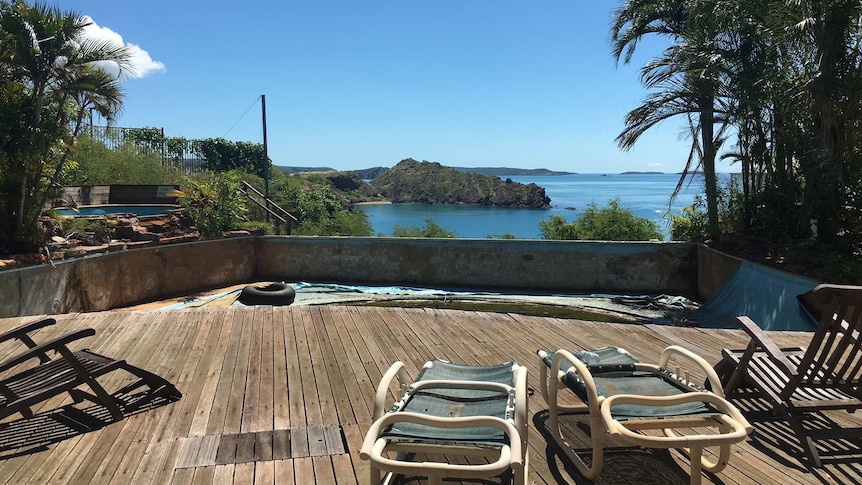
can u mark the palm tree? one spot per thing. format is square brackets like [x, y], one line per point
[49, 70]
[829, 32]
[687, 77]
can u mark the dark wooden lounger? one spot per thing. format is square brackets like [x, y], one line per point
[69, 371]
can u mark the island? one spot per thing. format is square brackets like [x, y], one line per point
[433, 183]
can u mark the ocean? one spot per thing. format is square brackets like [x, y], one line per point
[646, 195]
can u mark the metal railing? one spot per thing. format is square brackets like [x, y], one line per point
[280, 215]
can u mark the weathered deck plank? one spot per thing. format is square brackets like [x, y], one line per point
[270, 393]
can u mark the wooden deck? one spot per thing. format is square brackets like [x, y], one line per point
[284, 395]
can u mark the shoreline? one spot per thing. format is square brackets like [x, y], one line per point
[374, 202]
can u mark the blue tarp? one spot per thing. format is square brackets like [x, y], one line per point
[766, 295]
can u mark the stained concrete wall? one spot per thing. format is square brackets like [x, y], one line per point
[112, 280]
[571, 266]
[714, 269]
[119, 194]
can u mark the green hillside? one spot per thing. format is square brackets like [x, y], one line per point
[432, 183]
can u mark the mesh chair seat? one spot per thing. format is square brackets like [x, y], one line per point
[615, 373]
[625, 397]
[450, 402]
[448, 412]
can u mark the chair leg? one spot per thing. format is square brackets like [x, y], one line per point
[158, 385]
[596, 434]
[99, 396]
[521, 474]
[711, 466]
[696, 454]
[804, 439]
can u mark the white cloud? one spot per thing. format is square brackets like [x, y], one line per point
[142, 63]
[657, 165]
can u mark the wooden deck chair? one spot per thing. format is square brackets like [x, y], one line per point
[26, 383]
[624, 397]
[22, 333]
[795, 381]
[451, 411]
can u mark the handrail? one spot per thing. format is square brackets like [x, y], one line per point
[285, 217]
[288, 214]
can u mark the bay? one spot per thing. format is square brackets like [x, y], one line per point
[646, 195]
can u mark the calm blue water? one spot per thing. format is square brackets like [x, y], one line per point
[102, 210]
[644, 194]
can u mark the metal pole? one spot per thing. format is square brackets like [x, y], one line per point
[265, 155]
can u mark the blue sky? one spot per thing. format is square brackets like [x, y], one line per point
[353, 84]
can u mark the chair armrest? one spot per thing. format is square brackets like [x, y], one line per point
[739, 427]
[711, 375]
[578, 368]
[763, 341]
[57, 344]
[397, 370]
[373, 446]
[21, 333]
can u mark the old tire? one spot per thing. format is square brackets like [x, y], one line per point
[275, 294]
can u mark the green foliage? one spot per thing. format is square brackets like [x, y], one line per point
[321, 210]
[43, 104]
[95, 164]
[88, 230]
[779, 79]
[257, 227]
[341, 223]
[689, 225]
[556, 227]
[431, 229]
[222, 155]
[212, 201]
[610, 223]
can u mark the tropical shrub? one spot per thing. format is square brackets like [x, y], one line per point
[610, 223]
[95, 164]
[50, 78]
[431, 229]
[320, 209]
[212, 201]
[688, 225]
[556, 227]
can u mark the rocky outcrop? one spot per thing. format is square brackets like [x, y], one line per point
[432, 183]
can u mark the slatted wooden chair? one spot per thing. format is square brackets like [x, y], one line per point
[34, 376]
[795, 381]
[23, 332]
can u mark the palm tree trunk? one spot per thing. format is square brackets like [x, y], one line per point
[707, 132]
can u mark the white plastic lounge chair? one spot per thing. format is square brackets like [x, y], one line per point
[625, 396]
[450, 410]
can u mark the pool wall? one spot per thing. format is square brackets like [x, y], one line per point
[112, 280]
[119, 194]
[570, 266]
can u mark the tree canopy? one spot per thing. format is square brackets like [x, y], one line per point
[51, 75]
[772, 85]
